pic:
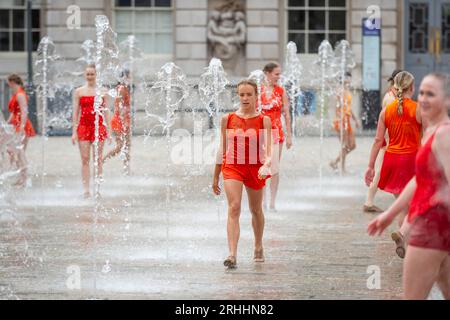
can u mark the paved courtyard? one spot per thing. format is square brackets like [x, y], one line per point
[148, 244]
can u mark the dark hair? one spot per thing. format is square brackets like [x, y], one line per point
[16, 79]
[392, 77]
[270, 67]
[248, 83]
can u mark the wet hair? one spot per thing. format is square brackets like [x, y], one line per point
[444, 78]
[248, 83]
[392, 77]
[402, 82]
[270, 67]
[16, 79]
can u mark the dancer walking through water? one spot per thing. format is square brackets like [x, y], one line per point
[403, 123]
[18, 108]
[344, 114]
[427, 194]
[121, 123]
[244, 158]
[389, 97]
[83, 126]
[274, 101]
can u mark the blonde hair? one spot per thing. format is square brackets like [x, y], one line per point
[402, 82]
[248, 83]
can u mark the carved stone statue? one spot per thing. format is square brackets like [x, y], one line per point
[227, 30]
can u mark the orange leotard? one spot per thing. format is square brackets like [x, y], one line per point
[14, 109]
[271, 107]
[121, 120]
[86, 127]
[404, 130]
[244, 154]
[347, 115]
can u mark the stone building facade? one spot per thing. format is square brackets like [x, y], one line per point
[177, 30]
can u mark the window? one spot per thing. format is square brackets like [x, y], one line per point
[13, 26]
[149, 20]
[309, 22]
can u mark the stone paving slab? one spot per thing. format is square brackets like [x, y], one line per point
[316, 245]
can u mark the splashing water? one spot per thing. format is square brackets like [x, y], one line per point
[345, 62]
[258, 76]
[47, 72]
[167, 93]
[291, 78]
[212, 84]
[324, 62]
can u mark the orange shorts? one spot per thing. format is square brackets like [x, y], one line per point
[247, 173]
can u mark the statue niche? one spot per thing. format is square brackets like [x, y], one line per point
[227, 32]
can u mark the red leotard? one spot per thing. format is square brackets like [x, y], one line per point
[244, 154]
[429, 215]
[86, 127]
[14, 108]
[119, 125]
[271, 107]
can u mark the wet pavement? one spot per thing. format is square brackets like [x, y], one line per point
[150, 244]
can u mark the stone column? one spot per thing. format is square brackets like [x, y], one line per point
[190, 36]
[263, 35]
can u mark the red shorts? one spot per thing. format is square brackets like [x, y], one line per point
[397, 170]
[247, 173]
[87, 133]
[431, 230]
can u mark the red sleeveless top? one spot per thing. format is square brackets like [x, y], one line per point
[119, 123]
[272, 107]
[244, 140]
[14, 109]
[87, 117]
[404, 130]
[430, 178]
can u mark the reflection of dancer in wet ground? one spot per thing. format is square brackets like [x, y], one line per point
[274, 101]
[402, 121]
[389, 97]
[84, 126]
[346, 135]
[428, 196]
[121, 124]
[244, 158]
[18, 108]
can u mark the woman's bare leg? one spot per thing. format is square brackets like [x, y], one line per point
[444, 278]
[421, 269]
[85, 152]
[255, 206]
[374, 185]
[118, 148]
[233, 190]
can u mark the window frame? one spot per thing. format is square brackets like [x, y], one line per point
[307, 7]
[133, 9]
[10, 30]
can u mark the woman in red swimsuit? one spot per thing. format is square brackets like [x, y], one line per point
[244, 158]
[121, 124]
[274, 101]
[389, 97]
[83, 122]
[18, 108]
[428, 196]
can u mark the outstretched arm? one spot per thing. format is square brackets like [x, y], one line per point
[379, 224]
[287, 117]
[377, 145]
[23, 111]
[220, 155]
[75, 115]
